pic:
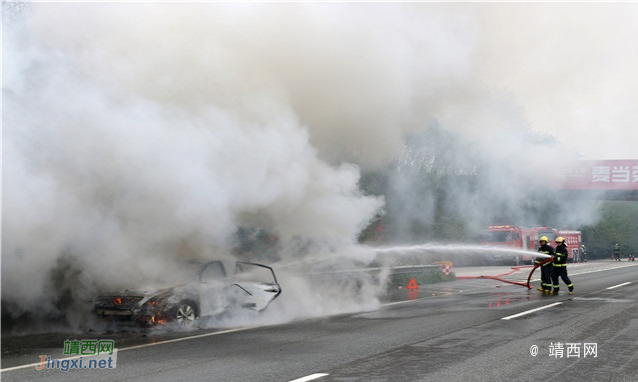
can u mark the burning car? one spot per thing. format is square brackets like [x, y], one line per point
[206, 289]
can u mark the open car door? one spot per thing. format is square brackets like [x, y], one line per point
[258, 284]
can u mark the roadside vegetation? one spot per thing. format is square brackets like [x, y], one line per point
[618, 224]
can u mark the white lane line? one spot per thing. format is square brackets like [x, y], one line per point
[530, 311]
[142, 346]
[188, 338]
[397, 303]
[309, 377]
[41, 363]
[576, 273]
[598, 270]
[619, 285]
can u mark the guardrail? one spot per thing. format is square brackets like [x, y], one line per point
[393, 270]
[396, 276]
[405, 269]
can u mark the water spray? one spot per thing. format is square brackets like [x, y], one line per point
[425, 248]
[456, 248]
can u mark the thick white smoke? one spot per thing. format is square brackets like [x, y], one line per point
[135, 133]
[155, 140]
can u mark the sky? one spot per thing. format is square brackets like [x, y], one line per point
[135, 133]
[571, 67]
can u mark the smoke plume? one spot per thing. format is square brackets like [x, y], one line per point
[136, 134]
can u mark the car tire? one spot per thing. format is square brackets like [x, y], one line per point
[186, 314]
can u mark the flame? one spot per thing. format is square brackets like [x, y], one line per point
[117, 300]
[156, 320]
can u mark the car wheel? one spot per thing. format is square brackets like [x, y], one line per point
[186, 314]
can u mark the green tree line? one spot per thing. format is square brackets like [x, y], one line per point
[618, 223]
[444, 190]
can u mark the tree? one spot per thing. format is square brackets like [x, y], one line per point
[618, 224]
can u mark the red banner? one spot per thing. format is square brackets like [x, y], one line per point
[602, 175]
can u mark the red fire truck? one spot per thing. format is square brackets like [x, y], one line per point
[573, 239]
[515, 237]
[509, 236]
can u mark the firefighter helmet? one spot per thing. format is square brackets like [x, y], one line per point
[544, 238]
[560, 239]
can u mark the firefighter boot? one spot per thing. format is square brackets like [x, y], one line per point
[540, 289]
[571, 290]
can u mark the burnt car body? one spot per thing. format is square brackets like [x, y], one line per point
[210, 292]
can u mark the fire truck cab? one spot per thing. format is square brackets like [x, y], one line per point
[520, 238]
[573, 239]
[551, 233]
[509, 236]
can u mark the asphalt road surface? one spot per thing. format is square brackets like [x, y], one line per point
[466, 330]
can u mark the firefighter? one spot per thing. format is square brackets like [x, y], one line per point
[617, 252]
[546, 268]
[560, 266]
[583, 254]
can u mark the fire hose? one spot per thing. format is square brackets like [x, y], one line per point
[514, 269]
[533, 269]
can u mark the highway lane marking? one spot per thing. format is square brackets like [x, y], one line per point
[601, 270]
[310, 377]
[143, 346]
[530, 311]
[395, 303]
[576, 273]
[41, 363]
[188, 338]
[619, 285]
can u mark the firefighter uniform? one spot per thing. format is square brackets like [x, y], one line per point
[617, 252]
[546, 269]
[560, 266]
[583, 255]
